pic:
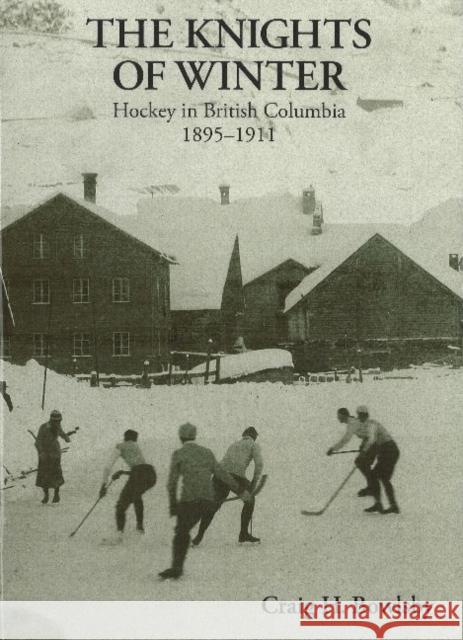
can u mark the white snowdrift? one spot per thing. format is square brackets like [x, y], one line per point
[244, 364]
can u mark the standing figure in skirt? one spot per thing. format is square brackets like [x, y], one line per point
[49, 472]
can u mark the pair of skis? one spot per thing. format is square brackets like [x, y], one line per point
[24, 474]
[15, 479]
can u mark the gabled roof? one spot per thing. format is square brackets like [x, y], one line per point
[423, 258]
[116, 221]
[202, 242]
[200, 231]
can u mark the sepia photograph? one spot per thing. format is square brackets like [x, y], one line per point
[232, 319]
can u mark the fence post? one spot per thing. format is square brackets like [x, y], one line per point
[217, 370]
[145, 379]
[93, 379]
[186, 376]
[169, 377]
[208, 361]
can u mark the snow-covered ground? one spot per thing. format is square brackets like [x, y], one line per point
[344, 552]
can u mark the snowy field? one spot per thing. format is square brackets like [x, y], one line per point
[344, 552]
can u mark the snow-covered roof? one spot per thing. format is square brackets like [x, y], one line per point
[239, 365]
[200, 232]
[114, 219]
[420, 255]
[202, 239]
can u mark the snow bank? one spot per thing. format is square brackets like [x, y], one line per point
[245, 364]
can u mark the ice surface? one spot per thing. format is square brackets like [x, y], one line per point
[344, 552]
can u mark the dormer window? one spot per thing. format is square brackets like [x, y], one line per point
[41, 247]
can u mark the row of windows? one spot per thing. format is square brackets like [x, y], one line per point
[81, 344]
[41, 247]
[80, 290]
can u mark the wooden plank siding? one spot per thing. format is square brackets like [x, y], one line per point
[378, 294]
[265, 324]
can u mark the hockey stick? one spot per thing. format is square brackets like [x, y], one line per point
[335, 453]
[256, 491]
[88, 513]
[335, 494]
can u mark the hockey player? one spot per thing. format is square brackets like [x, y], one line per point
[387, 453]
[196, 465]
[236, 460]
[49, 472]
[365, 459]
[142, 477]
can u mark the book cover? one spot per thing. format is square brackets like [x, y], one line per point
[232, 318]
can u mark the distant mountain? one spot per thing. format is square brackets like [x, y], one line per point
[441, 228]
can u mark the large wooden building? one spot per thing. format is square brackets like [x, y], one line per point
[238, 260]
[87, 294]
[380, 298]
[207, 300]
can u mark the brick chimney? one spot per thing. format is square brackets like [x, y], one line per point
[224, 194]
[308, 201]
[317, 220]
[89, 186]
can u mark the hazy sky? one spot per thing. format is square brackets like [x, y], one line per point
[387, 165]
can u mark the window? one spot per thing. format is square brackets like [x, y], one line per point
[79, 246]
[41, 292]
[80, 290]
[40, 344]
[5, 347]
[121, 290]
[121, 343]
[81, 344]
[41, 247]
